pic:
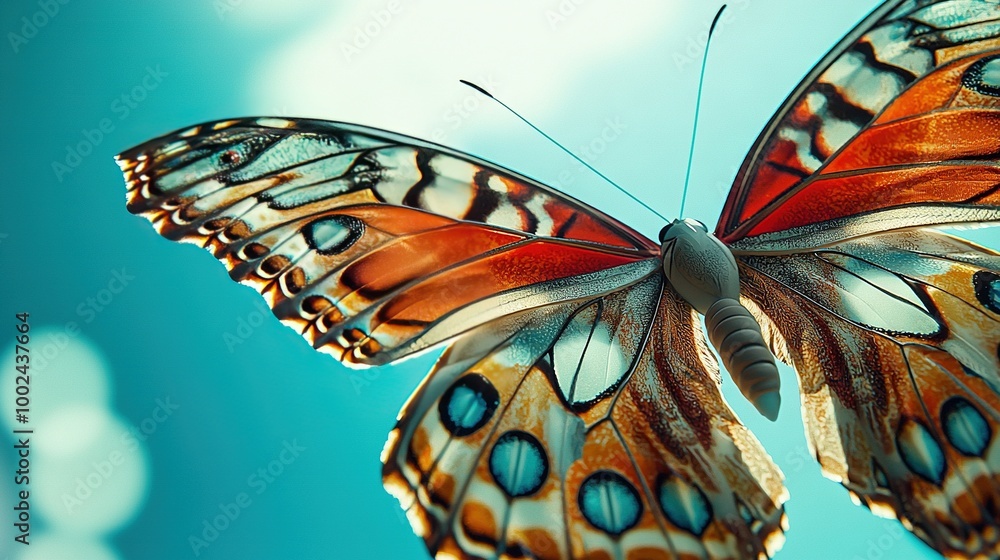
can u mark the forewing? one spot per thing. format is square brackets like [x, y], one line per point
[372, 245]
[591, 428]
[896, 340]
[899, 126]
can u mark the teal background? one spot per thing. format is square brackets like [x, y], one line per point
[167, 335]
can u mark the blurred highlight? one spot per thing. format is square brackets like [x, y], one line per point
[94, 467]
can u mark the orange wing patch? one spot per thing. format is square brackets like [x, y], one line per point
[371, 245]
[936, 144]
[913, 88]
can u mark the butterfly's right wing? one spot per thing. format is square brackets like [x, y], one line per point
[895, 338]
[891, 328]
[586, 429]
[896, 127]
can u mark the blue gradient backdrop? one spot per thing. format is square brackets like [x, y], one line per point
[155, 356]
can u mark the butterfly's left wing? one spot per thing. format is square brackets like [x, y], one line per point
[893, 330]
[575, 411]
[371, 245]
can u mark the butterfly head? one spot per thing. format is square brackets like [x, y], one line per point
[681, 226]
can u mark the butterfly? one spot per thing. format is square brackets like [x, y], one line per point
[575, 410]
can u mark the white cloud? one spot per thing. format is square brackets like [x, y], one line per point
[395, 64]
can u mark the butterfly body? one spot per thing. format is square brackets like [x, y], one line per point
[704, 272]
[575, 410]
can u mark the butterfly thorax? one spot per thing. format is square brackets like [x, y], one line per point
[699, 266]
[703, 271]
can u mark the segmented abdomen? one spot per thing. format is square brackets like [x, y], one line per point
[736, 335]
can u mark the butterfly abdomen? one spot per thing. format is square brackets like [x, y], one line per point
[703, 271]
[736, 335]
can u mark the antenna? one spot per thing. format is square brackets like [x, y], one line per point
[697, 109]
[563, 148]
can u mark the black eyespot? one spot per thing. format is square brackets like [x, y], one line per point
[468, 404]
[609, 502]
[984, 76]
[987, 286]
[333, 234]
[518, 464]
[230, 157]
[965, 427]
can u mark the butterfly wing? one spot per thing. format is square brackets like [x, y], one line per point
[895, 339]
[896, 127]
[556, 423]
[589, 429]
[891, 328]
[373, 246]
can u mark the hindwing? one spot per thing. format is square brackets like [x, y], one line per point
[588, 429]
[896, 341]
